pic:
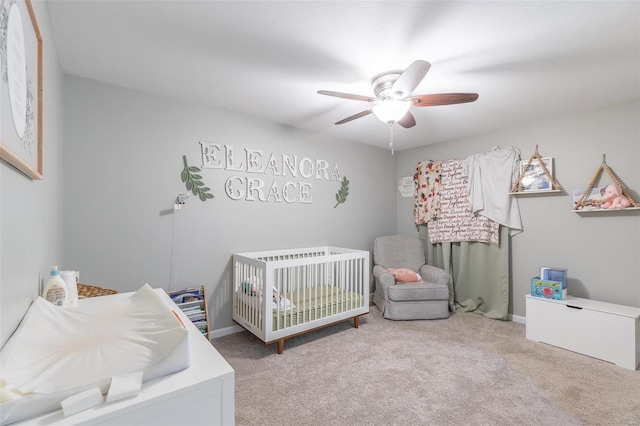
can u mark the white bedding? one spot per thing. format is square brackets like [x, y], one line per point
[57, 352]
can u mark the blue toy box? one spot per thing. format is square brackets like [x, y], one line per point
[547, 289]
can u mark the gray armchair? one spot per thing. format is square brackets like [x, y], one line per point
[408, 301]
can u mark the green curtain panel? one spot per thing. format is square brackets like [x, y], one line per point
[479, 273]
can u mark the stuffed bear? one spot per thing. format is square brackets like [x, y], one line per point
[614, 199]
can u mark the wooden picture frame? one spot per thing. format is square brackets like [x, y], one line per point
[21, 88]
[534, 178]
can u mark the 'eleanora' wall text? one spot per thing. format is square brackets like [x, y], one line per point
[248, 162]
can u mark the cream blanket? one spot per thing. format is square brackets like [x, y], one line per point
[456, 223]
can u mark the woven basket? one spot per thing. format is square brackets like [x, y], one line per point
[86, 290]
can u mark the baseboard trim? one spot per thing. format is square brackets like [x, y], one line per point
[238, 329]
[517, 318]
[221, 332]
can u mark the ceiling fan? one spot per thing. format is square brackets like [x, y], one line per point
[394, 99]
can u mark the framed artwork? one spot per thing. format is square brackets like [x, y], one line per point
[534, 178]
[21, 87]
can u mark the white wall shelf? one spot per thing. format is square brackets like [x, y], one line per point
[549, 191]
[604, 210]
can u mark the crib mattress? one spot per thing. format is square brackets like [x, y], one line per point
[308, 305]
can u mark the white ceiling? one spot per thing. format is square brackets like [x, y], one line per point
[528, 61]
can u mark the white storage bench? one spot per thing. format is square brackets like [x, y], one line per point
[601, 330]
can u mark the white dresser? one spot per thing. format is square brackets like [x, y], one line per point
[203, 394]
[601, 330]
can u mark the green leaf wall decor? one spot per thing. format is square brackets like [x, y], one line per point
[343, 193]
[193, 181]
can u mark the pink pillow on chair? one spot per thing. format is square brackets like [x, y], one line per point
[405, 275]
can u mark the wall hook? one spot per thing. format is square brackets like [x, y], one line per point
[180, 201]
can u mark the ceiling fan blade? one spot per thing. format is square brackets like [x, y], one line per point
[354, 116]
[407, 121]
[410, 78]
[442, 99]
[347, 96]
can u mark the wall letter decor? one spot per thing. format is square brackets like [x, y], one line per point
[256, 162]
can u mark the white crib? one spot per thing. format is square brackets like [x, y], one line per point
[300, 289]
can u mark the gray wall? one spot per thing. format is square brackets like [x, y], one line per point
[600, 250]
[31, 211]
[123, 158]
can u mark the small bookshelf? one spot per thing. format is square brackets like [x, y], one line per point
[193, 303]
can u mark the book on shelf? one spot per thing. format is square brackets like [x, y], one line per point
[193, 304]
[592, 201]
[202, 326]
[186, 295]
[199, 317]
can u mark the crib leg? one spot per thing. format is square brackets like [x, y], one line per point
[356, 322]
[280, 346]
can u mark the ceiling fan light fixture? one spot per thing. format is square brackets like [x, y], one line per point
[391, 110]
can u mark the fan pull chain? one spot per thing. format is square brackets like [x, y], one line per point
[391, 137]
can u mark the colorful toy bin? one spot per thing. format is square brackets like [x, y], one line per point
[547, 289]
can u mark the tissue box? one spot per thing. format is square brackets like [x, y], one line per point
[547, 289]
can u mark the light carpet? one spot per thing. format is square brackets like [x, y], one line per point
[466, 369]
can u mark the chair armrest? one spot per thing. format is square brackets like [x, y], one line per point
[435, 275]
[382, 276]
